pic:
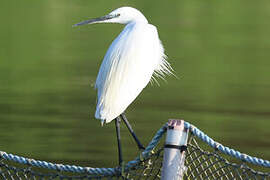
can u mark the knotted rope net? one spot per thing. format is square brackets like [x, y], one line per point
[212, 162]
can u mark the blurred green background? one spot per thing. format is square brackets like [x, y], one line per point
[220, 51]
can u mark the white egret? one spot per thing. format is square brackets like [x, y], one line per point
[132, 59]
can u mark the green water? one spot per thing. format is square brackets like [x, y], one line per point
[220, 51]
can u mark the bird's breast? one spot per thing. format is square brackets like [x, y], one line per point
[126, 69]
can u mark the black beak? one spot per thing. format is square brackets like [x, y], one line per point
[95, 20]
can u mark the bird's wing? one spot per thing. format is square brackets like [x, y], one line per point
[127, 68]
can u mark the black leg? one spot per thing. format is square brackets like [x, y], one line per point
[140, 146]
[117, 126]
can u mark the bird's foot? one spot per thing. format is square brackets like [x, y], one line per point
[122, 169]
[141, 154]
[141, 147]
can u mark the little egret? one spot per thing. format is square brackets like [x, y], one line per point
[129, 64]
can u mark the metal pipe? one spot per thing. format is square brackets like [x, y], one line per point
[173, 167]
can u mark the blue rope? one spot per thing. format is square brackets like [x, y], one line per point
[148, 150]
[145, 154]
[58, 167]
[226, 150]
[89, 170]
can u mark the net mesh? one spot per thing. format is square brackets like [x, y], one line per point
[210, 164]
[202, 163]
[149, 168]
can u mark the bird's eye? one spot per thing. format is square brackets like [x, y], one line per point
[117, 15]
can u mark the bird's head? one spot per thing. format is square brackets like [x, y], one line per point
[123, 15]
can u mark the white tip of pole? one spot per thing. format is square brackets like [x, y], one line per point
[176, 124]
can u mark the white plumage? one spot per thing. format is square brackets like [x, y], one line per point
[131, 60]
